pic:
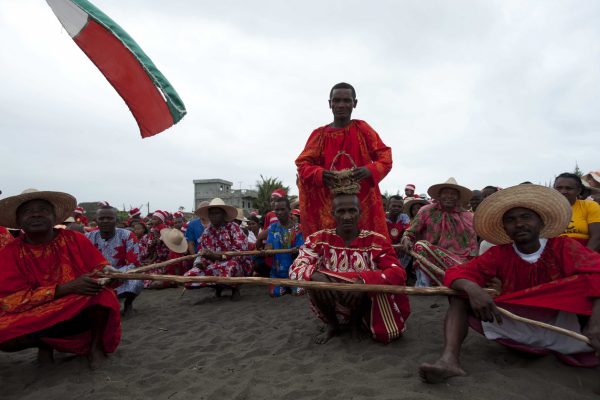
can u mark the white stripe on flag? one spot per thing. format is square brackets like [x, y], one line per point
[72, 18]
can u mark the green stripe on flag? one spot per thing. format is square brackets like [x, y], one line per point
[174, 102]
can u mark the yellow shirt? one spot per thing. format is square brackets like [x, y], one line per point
[585, 212]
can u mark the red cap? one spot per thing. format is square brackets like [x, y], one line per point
[278, 193]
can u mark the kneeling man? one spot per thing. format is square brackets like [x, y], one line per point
[348, 254]
[544, 277]
[48, 297]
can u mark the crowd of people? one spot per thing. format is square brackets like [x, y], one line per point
[538, 247]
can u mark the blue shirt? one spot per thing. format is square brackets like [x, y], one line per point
[194, 231]
[284, 238]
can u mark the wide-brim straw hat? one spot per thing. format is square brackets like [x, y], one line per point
[554, 209]
[409, 201]
[240, 215]
[174, 239]
[464, 193]
[63, 204]
[593, 178]
[230, 211]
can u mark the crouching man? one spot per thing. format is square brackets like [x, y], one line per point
[49, 299]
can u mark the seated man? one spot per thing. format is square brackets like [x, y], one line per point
[220, 236]
[350, 255]
[544, 277]
[397, 221]
[48, 296]
[120, 247]
[283, 234]
[441, 232]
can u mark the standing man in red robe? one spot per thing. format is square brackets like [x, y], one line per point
[343, 144]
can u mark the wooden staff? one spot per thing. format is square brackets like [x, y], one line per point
[224, 253]
[558, 329]
[344, 287]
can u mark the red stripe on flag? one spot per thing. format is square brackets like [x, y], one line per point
[127, 76]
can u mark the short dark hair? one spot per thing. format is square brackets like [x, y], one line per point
[254, 218]
[494, 188]
[570, 175]
[343, 85]
[396, 197]
[283, 200]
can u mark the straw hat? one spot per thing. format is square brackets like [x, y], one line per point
[464, 193]
[548, 203]
[240, 215]
[202, 204]
[63, 204]
[231, 211]
[174, 240]
[409, 201]
[592, 178]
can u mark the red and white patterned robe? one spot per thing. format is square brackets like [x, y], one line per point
[370, 258]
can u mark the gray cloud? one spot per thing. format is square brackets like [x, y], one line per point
[489, 92]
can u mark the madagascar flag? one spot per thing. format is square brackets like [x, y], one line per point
[152, 100]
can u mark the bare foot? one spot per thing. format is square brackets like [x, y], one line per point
[440, 371]
[324, 337]
[235, 294]
[45, 357]
[96, 358]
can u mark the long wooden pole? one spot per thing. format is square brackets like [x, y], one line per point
[135, 274]
[344, 287]
[223, 253]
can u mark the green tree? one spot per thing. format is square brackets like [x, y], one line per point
[265, 187]
[577, 171]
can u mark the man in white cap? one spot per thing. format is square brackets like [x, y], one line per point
[49, 298]
[544, 276]
[442, 232]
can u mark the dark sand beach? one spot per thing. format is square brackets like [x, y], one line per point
[199, 347]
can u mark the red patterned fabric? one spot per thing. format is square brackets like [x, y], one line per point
[228, 237]
[369, 257]
[366, 148]
[28, 279]
[5, 237]
[152, 249]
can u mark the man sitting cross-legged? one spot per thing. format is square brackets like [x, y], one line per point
[222, 235]
[349, 255]
[544, 277]
[49, 298]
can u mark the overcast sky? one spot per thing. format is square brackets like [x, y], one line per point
[489, 92]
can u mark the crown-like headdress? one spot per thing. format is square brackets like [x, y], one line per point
[344, 183]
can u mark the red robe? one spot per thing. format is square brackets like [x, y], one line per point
[28, 279]
[5, 237]
[365, 147]
[566, 277]
[369, 257]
